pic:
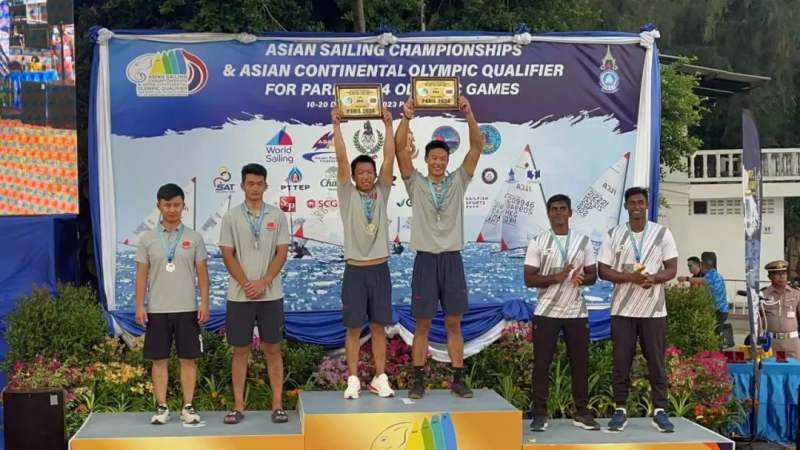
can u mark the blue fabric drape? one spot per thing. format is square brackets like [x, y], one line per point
[325, 327]
[777, 414]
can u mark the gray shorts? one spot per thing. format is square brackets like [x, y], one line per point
[438, 277]
[242, 316]
[366, 295]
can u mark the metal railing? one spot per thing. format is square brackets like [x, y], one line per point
[725, 166]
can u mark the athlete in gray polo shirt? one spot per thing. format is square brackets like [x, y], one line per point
[168, 259]
[254, 239]
[437, 234]
[366, 286]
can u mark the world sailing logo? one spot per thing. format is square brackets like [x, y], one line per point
[169, 73]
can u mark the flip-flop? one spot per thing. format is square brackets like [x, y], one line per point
[233, 417]
[279, 416]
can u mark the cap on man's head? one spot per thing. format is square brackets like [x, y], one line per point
[777, 266]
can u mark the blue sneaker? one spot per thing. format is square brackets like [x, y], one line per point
[662, 423]
[618, 420]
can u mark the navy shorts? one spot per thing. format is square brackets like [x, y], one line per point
[438, 277]
[241, 317]
[366, 295]
[163, 328]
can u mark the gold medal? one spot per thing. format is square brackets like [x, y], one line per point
[372, 229]
[638, 267]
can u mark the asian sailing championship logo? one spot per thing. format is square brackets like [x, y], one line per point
[169, 73]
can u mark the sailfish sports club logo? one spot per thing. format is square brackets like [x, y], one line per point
[434, 433]
[169, 73]
[609, 78]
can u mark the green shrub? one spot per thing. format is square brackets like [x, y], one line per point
[70, 325]
[691, 320]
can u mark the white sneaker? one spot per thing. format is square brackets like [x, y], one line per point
[161, 416]
[189, 416]
[353, 387]
[380, 386]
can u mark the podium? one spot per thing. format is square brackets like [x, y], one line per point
[439, 421]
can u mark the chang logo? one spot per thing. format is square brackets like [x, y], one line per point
[169, 73]
[609, 78]
[434, 433]
[330, 179]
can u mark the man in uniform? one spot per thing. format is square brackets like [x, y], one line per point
[437, 234]
[639, 257]
[366, 286]
[558, 263]
[254, 239]
[781, 309]
[168, 260]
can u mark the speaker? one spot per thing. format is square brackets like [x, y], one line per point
[61, 106]
[34, 103]
[34, 419]
[59, 11]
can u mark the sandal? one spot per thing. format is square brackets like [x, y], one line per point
[233, 417]
[279, 416]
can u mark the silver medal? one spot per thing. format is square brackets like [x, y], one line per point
[170, 267]
[255, 244]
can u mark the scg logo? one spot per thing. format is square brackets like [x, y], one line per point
[324, 203]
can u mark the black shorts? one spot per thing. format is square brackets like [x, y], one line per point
[366, 295]
[163, 328]
[242, 316]
[438, 277]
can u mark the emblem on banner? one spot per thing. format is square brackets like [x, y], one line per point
[367, 140]
[491, 139]
[321, 150]
[279, 148]
[169, 73]
[293, 180]
[330, 180]
[221, 182]
[449, 135]
[609, 78]
[288, 203]
[489, 176]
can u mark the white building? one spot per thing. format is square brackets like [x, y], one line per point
[704, 209]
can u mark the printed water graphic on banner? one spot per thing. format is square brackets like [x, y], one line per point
[556, 118]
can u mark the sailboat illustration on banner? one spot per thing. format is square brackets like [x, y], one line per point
[154, 217]
[599, 209]
[211, 228]
[520, 213]
[402, 234]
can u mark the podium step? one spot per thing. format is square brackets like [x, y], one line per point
[133, 431]
[439, 421]
[639, 434]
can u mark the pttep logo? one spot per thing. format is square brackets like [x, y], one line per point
[169, 73]
[436, 433]
[293, 180]
[221, 182]
[288, 203]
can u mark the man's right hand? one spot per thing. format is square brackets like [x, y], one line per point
[637, 278]
[408, 108]
[562, 276]
[336, 116]
[141, 316]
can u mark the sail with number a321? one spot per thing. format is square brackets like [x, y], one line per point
[599, 209]
[154, 217]
[524, 211]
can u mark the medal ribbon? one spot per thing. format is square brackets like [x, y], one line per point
[169, 246]
[368, 203]
[637, 247]
[255, 225]
[439, 192]
[563, 249]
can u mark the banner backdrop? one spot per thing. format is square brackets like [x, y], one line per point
[560, 113]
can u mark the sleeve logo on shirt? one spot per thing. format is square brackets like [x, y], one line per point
[186, 243]
[270, 226]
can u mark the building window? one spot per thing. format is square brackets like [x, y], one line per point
[699, 207]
